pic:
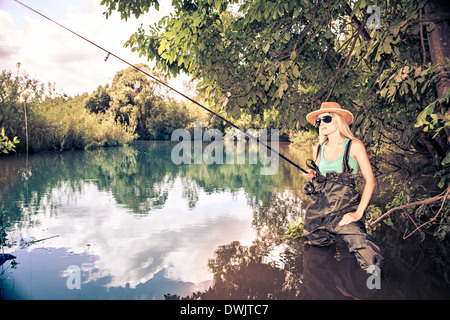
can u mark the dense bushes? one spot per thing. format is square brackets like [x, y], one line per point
[44, 120]
[132, 107]
[61, 124]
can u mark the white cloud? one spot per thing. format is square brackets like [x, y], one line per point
[50, 53]
[132, 249]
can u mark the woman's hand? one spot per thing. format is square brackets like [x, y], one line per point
[310, 175]
[349, 218]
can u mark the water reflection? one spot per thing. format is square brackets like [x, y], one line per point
[131, 249]
[141, 227]
[125, 216]
[299, 272]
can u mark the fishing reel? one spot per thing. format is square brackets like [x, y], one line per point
[309, 188]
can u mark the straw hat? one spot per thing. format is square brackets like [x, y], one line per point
[330, 107]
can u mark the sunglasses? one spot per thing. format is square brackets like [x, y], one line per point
[325, 119]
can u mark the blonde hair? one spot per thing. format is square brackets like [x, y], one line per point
[343, 128]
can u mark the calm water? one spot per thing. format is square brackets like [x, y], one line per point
[127, 223]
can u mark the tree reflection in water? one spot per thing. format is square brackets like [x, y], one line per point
[306, 272]
[140, 177]
[274, 267]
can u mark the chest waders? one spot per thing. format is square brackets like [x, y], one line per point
[334, 197]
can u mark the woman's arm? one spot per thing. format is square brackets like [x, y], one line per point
[358, 151]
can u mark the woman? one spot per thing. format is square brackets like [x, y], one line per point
[336, 208]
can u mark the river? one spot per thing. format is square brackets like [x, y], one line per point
[129, 223]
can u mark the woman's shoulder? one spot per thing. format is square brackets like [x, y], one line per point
[357, 147]
[358, 143]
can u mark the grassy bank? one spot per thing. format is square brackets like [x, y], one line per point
[62, 124]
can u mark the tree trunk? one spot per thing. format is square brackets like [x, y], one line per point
[26, 125]
[438, 11]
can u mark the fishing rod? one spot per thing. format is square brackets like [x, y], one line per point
[164, 84]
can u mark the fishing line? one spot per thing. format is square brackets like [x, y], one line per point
[164, 84]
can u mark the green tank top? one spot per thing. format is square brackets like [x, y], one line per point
[337, 165]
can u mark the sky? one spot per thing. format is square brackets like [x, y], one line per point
[49, 53]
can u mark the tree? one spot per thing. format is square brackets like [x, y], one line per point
[165, 118]
[99, 100]
[17, 94]
[439, 45]
[35, 114]
[251, 56]
[134, 96]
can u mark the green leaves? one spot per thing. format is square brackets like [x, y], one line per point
[129, 7]
[6, 145]
[295, 230]
[251, 53]
[432, 120]
[281, 89]
[291, 55]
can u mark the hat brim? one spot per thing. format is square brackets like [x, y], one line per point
[346, 115]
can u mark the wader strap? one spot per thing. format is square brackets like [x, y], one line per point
[318, 153]
[346, 155]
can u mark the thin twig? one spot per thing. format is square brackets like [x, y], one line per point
[415, 224]
[432, 219]
[332, 82]
[444, 195]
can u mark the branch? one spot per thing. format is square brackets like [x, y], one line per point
[422, 42]
[445, 195]
[286, 53]
[432, 219]
[340, 68]
[357, 24]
